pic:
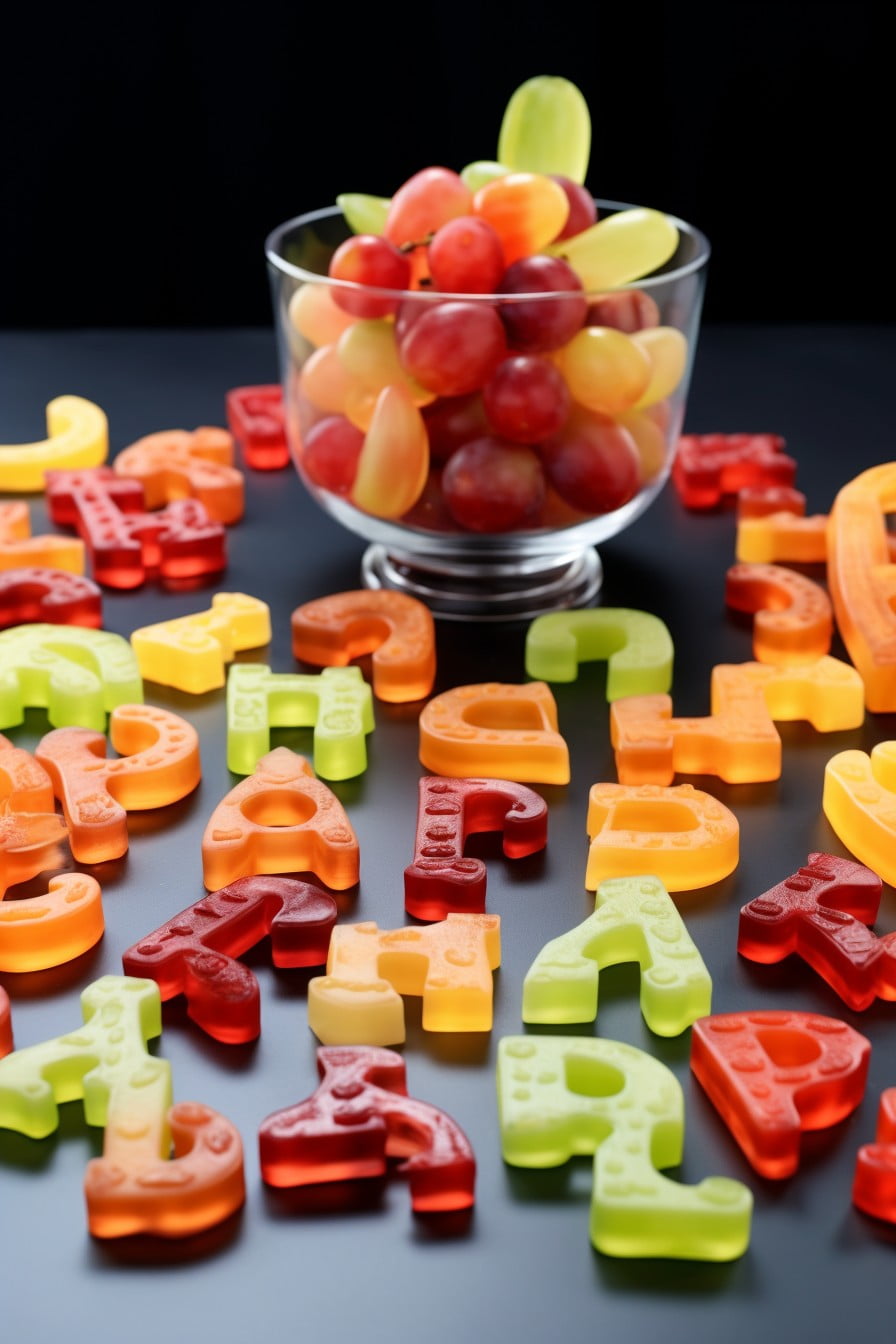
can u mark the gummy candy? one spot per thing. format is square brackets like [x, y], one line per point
[190, 652]
[497, 730]
[635, 645]
[397, 629]
[37, 594]
[77, 436]
[176, 464]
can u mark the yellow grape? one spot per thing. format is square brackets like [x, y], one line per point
[325, 381]
[526, 210]
[394, 461]
[650, 441]
[363, 214]
[546, 128]
[369, 352]
[667, 350]
[476, 174]
[620, 248]
[604, 369]
[314, 315]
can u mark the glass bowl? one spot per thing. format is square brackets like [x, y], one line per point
[549, 560]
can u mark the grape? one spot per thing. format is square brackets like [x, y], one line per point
[604, 369]
[368, 259]
[592, 463]
[667, 350]
[315, 316]
[582, 207]
[546, 128]
[330, 453]
[526, 210]
[625, 309]
[493, 486]
[363, 214]
[453, 421]
[650, 441]
[466, 257]
[368, 351]
[425, 202]
[393, 465]
[453, 347]
[541, 324]
[480, 171]
[526, 399]
[325, 381]
[619, 248]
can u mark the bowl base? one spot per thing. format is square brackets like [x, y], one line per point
[499, 590]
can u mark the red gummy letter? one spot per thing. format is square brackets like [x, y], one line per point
[359, 1117]
[770, 1075]
[820, 914]
[874, 1183]
[193, 954]
[708, 466]
[441, 880]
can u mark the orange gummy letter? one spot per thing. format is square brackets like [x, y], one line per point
[505, 731]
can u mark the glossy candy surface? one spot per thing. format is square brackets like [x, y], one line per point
[794, 620]
[497, 730]
[195, 952]
[135, 1186]
[337, 702]
[180, 464]
[18, 549]
[36, 594]
[561, 1097]
[874, 1183]
[634, 919]
[862, 580]
[280, 819]
[635, 645]
[255, 418]
[127, 545]
[190, 652]
[772, 1075]
[77, 436]
[706, 467]
[820, 914]
[77, 674]
[687, 838]
[357, 1122]
[440, 880]
[158, 764]
[398, 630]
[858, 801]
[47, 930]
[448, 964]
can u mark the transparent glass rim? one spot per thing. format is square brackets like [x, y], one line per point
[273, 248]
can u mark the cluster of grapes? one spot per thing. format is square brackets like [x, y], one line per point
[465, 375]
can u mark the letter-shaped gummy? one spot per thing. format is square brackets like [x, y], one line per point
[77, 436]
[280, 819]
[133, 1187]
[358, 1119]
[35, 593]
[636, 920]
[336, 701]
[561, 1097]
[397, 629]
[859, 800]
[874, 1182]
[450, 964]
[78, 675]
[177, 464]
[194, 953]
[635, 645]
[440, 879]
[794, 621]
[497, 730]
[771, 1075]
[190, 652]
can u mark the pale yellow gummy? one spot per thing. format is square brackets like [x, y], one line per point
[77, 436]
[449, 964]
[560, 1097]
[191, 652]
[635, 919]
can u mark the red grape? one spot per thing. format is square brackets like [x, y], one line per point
[466, 257]
[582, 207]
[368, 259]
[425, 202]
[330, 453]
[543, 323]
[526, 399]
[627, 310]
[490, 485]
[453, 421]
[593, 463]
[453, 347]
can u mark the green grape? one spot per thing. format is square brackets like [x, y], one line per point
[546, 129]
[363, 214]
[480, 171]
[620, 248]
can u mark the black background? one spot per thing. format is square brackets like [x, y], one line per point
[147, 152]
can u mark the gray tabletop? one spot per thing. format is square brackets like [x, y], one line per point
[524, 1268]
